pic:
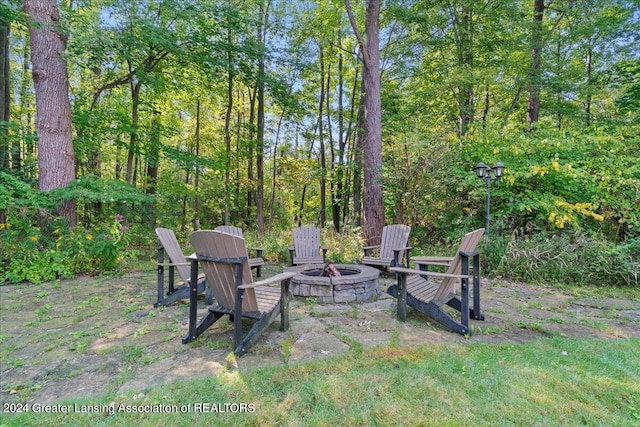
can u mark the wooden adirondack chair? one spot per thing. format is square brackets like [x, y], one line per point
[393, 247]
[255, 262]
[178, 262]
[306, 246]
[414, 289]
[224, 260]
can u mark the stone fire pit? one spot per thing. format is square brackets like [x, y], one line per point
[354, 284]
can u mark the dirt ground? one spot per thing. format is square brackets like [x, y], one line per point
[94, 335]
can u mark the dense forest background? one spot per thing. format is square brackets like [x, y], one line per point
[196, 113]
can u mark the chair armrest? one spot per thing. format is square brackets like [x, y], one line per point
[277, 278]
[403, 270]
[406, 248]
[429, 259]
[367, 249]
[443, 261]
[172, 264]
[397, 257]
[258, 251]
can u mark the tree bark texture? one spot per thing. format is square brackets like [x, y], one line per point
[323, 164]
[4, 91]
[262, 29]
[56, 159]
[533, 109]
[227, 129]
[463, 21]
[373, 206]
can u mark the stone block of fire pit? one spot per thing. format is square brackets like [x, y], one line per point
[355, 283]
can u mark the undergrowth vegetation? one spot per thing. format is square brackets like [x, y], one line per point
[567, 212]
[563, 259]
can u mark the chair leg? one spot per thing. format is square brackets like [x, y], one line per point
[244, 344]
[284, 304]
[440, 316]
[204, 324]
[160, 275]
[183, 292]
[464, 290]
[402, 297]
[475, 313]
[195, 330]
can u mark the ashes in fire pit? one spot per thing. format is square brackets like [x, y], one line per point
[335, 283]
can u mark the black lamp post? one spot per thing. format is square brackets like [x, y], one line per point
[488, 174]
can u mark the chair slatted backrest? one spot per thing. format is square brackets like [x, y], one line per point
[306, 241]
[221, 276]
[230, 229]
[394, 236]
[469, 243]
[171, 246]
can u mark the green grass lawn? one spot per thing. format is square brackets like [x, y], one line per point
[548, 382]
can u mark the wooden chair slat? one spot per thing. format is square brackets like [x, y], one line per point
[220, 255]
[394, 237]
[306, 246]
[427, 296]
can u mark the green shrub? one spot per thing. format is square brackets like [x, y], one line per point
[345, 247]
[37, 254]
[563, 259]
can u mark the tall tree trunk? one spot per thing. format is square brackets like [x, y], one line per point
[153, 157]
[262, 29]
[56, 160]
[274, 176]
[463, 22]
[352, 138]
[5, 103]
[558, 72]
[133, 136]
[589, 71]
[131, 171]
[118, 165]
[512, 107]
[533, 108]
[250, 174]
[196, 184]
[300, 214]
[331, 145]
[227, 127]
[373, 209]
[239, 119]
[358, 161]
[24, 144]
[337, 202]
[323, 162]
[485, 110]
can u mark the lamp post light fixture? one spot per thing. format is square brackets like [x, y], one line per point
[488, 174]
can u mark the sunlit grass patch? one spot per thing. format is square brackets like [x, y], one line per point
[545, 382]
